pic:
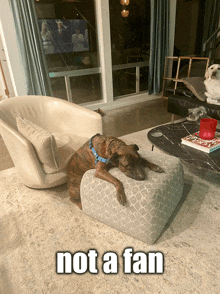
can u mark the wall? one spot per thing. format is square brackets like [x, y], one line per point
[6, 71]
[8, 35]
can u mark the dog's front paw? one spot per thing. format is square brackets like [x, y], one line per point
[157, 168]
[121, 197]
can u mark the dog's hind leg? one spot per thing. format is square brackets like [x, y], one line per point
[74, 175]
[74, 192]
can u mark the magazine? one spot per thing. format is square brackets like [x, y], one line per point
[204, 145]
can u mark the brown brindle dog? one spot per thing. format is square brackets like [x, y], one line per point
[111, 152]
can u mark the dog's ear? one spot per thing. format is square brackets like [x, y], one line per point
[135, 147]
[115, 159]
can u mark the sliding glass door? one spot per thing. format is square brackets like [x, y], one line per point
[130, 44]
[69, 37]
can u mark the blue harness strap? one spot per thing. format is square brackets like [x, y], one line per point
[97, 157]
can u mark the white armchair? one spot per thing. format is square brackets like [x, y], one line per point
[57, 116]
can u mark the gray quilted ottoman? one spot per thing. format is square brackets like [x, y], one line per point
[150, 203]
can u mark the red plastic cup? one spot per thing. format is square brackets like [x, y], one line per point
[207, 128]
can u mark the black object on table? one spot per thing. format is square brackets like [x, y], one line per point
[170, 142]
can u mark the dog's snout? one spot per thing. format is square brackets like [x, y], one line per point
[137, 173]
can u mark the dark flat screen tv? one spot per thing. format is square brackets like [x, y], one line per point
[64, 35]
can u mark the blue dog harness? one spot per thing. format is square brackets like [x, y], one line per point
[97, 157]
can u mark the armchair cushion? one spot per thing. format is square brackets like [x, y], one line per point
[197, 86]
[66, 146]
[43, 142]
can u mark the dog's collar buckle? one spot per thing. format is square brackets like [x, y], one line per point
[97, 157]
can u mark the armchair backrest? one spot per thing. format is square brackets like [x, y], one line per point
[53, 114]
[32, 108]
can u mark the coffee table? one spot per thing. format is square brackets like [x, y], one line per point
[170, 142]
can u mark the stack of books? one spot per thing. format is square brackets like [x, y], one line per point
[204, 145]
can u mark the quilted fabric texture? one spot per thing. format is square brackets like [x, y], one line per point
[150, 203]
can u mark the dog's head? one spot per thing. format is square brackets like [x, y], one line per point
[127, 159]
[195, 114]
[213, 72]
